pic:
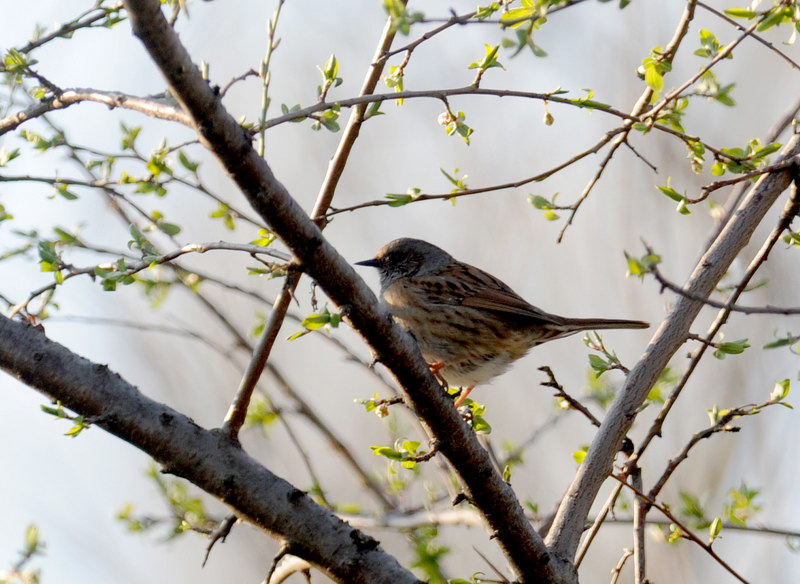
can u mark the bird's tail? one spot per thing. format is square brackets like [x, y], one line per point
[588, 324]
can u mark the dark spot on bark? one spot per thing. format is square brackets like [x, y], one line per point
[229, 482]
[295, 495]
[38, 356]
[363, 541]
[166, 418]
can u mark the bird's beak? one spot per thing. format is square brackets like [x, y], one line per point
[373, 263]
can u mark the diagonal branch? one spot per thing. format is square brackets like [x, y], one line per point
[207, 458]
[568, 525]
[319, 259]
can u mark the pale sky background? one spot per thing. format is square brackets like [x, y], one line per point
[71, 488]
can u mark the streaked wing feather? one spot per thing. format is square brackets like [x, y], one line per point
[506, 301]
[477, 289]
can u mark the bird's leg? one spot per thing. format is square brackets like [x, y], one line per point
[464, 393]
[436, 367]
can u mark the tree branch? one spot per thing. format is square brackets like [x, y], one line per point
[568, 525]
[150, 106]
[207, 458]
[390, 344]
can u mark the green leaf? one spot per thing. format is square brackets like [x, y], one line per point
[780, 391]
[129, 136]
[489, 59]
[7, 156]
[714, 529]
[398, 200]
[518, 14]
[186, 163]
[32, 541]
[265, 238]
[316, 321]
[47, 253]
[693, 509]
[598, 364]
[386, 452]
[731, 348]
[579, 455]
[400, 17]
[786, 341]
[654, 79]
[671, 193]
[741, 13]
[640, 266]
[169, 228]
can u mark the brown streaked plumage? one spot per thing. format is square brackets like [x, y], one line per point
[468, 323]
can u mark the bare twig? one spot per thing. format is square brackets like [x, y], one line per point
[568, 524]
[685, 531]
[617, 571]
[237, 410]
[83, 20]
[219, 533]
[788, 214]
[639, 515]
[573, 403]
[509, 185]
[755, 37]
[721, 305]
[153, 107]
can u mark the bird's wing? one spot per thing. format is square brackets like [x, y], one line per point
[474, 288]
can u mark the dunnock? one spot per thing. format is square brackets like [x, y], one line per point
[469, 325]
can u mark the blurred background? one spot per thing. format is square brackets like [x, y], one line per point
[73, 488]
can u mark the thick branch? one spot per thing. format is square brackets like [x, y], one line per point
[568, 525]
[392, 346]
[207, 458]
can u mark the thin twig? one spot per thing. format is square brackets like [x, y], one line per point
[151, 107]
[509, 185]
[788, 214]
[756, 37]
[721, 305]
[721, 55]
[639, 515]
[219, 533]
[148, 263]
[237, 411]
[617, 571]
[65, 30]
[238, 408]
[573, 403]
[685, 531]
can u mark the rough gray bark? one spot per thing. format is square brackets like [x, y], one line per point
[207, 458]
[567, 528]
[485, 488]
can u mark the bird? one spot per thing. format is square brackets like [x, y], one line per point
[469, 325]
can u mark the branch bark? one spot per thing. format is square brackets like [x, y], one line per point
[151, 106]
[207, 458]
[568, 525]
[355, 560]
